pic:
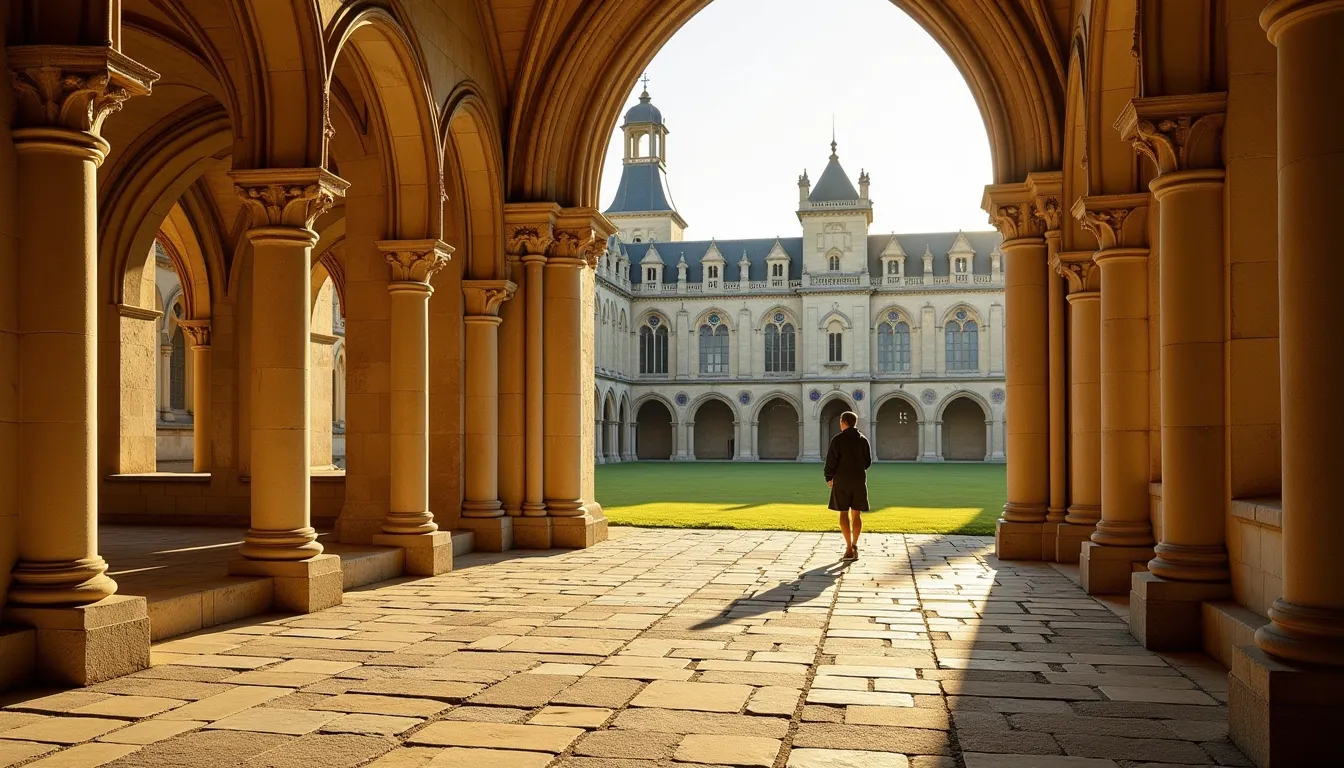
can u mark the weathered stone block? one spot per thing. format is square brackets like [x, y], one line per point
[301, 586]
[492, 534]
[427, 554]
[532, 532]
[1283, 714]
[88, 644]
[1017, 541]
[1107, 570]
[578, 532]
[1167, 615]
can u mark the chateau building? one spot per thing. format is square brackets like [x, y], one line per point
[751, 349]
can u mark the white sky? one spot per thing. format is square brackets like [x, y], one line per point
[748, 87]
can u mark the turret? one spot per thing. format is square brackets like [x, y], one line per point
[804, 187]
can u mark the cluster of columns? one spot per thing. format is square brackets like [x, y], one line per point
[609, 441]
[554, 245]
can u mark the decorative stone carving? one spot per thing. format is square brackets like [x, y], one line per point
[415, 261]
[527, 239]
[73, 87]
[198, 331]
[1177, 133]
[1029, 209]
[579, 244]
[1078, 269]
[484, 297]
[287, 197]
[1117, 221]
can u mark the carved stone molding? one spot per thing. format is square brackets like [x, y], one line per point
[415, 261]
[484, 297]
[1078, 270]
[1117, 221]
[529, 228]
[1176, 133]
[1029, 209]
[198, 331]
[287, 197]
[581, 234]
[73, 87]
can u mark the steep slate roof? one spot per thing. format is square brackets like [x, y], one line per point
[834, 184]
[758, 248]
[644, 111]
[643, 189]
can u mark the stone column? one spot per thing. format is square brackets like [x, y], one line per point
[1283, 702]
[482, 511]
[199, 332]
[578, 242]
[631, 448]
[85, 633]
[612, 442]
[690, 440]
[410, 523]
[1057, 319]
[1084, 299]
[1024, 213]
[281, 542]
[1123, 538]
[166, 383]
[1182, 137]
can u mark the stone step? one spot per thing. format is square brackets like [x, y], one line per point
[464, 543]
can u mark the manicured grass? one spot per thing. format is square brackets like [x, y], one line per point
[906, 498]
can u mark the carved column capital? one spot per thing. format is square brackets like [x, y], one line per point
[198, 331]
[580, 237]
[1078, 270]
[1117, 221]
[287, 197]
[484, 297]
[73, 87]
[1177, 133]
[1026, 210]
[415, 261]
[529, 229]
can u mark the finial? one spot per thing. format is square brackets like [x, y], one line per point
[645, 80]
[833, 144]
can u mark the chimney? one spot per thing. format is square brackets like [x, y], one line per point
[863, 185]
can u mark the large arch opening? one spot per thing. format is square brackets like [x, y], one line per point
[830, 421]
[653, 436]
[714, 430]
[897, 431]
[964, 431]
[777, 431]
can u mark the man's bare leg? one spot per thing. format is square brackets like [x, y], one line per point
[844, 531]
[855, 527]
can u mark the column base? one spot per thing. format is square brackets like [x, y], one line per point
[18, 656]
[532, 532]
[1069, 538]
[1168, 615]
[1283, 714]
[301, 586]
[493, 534]
[1017, 541]
[1049, 548]
[579, 532]
[87, 644]
[427, 554]
[1109, 570]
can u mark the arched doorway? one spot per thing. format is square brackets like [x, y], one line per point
[777, 431]
[714, 430]
[830, 422]
[897, 431]
[653, 436]
[963, 431]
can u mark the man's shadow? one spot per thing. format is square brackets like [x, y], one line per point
[807, 587]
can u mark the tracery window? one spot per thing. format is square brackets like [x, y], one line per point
[963, 343]
[779, 345]
[653, 347]
[713, 346]
[893, 346]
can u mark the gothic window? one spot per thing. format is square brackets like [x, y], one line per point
[714, 347]
[779, 345]
[893, 347]
[834, 263]
[651, 274]
[713, 272]
[836, 344]
[653, 347]
[776, 270]
[963, 344]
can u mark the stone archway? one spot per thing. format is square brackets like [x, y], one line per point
[777, 431]
[897, 431]
[714, 430]
[830, 422]
[964, 437]
[653, 436]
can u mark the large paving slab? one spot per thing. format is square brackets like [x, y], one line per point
[659, 649]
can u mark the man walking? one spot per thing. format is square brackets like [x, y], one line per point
[847, 463]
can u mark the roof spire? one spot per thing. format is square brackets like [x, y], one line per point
[645, 80]
[833, 144]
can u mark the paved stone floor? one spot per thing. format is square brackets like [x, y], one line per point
[661, 648]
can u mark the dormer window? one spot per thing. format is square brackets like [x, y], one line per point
[713, 272]
[893, 268]
[961, 265]
[776, 270]
[651, 274]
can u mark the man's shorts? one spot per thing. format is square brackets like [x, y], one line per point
[844, 499]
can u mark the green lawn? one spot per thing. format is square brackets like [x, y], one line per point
[906, 498]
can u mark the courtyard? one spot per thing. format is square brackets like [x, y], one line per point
[661, 648]
[954, 498]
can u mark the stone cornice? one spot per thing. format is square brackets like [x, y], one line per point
[287, 197]
[73, 87]
[1117, 221]
[484, 297]
[415, 261]
[1177, 133]
[1078, 269]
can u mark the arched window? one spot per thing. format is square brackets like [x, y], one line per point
[651, 274]
[776, 270]
[834, 263]
[893, 267]
[714, 347]
[639, 239]
[713, 272]
[963, 344]
[653, 347]
[893, 347]
[177, 372]
[779, 345]
[836, 339]
[962, 265]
